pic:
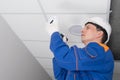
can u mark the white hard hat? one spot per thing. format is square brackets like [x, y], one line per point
[103, 23]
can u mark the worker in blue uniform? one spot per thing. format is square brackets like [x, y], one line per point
[92, 62]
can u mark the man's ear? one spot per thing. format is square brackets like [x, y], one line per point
[100, 33]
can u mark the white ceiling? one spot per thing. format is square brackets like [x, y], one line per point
[54, 6]
[27, 21]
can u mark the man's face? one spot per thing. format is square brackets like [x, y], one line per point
[89, 33]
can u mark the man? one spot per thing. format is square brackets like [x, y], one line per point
[93, 62]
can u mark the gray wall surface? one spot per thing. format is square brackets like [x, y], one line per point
[16, 62]
[115, 23]
[115, 37]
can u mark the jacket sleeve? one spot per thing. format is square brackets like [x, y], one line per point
[63, 54]
[92, 57]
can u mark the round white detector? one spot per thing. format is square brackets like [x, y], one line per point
[75, 30]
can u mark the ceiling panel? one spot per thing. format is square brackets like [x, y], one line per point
[76, 6]
[39, 49]
[32, 26]
[19, 6]
[46, 62]
[27, 27]
[55, 6]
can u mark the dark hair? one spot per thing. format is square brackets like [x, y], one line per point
[99, 28]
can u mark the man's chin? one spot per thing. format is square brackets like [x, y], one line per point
[84, 41]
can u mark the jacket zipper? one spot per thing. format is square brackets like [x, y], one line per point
[76, 56]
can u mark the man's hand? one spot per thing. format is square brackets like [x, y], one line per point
[65, 39]
[52, 25]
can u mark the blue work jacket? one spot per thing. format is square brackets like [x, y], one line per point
[93, 62]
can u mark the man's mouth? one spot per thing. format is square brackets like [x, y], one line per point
[82, 34]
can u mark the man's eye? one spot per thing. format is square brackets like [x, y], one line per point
[87, 27]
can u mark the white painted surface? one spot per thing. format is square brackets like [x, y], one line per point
[19, 6]
[32, 26]
[55, 6]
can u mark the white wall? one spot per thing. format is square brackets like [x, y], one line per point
[16, 62]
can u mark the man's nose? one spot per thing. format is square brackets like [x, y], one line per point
[82, 30]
